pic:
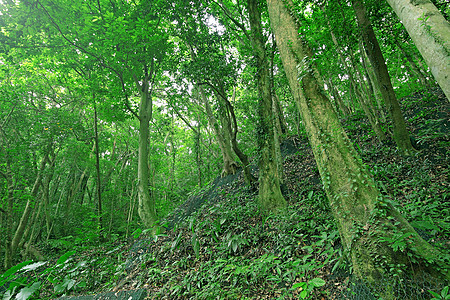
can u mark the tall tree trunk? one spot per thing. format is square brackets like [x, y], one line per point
[146, 204]
[400, 134]
[430, 33]
[97, 167]
[270, 197]
[363, 217]
[277, 130]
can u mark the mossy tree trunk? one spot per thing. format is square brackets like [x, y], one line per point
[270, 197]
[146, 203]
[400, 133]
[366, 222]
[430, 32]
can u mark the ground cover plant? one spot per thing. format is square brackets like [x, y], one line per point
[226, 249]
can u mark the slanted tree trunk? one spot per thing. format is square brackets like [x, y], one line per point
[21, 227]
[400, 133]
[372, 84]
[229, 165]
[222, 133]
[430, 32]
[9, 213]
[270, 197]
[363, 216]
[342, 108]
[366, 101]
[249, 178]
[280, 114]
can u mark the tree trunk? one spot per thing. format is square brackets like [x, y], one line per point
[97, 167]
[373, 84]
[280, 114]
[9, 214]
[146, 204]
[363, 217]
[342, 108]
[366, 101]
[229, 165]
[270, 197]
[249, 178]
[400, 134]
[430, 33]
[26, 213]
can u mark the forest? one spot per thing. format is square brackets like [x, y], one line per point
[224, 149]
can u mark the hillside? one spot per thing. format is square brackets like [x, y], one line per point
[217, 246]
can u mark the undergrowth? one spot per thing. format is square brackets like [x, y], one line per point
[227, 250]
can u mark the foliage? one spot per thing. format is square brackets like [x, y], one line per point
[66, 275]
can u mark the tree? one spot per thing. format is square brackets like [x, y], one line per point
[430, 32]
[363, 216]
[400, 133]
[270, 197]
[134, 50]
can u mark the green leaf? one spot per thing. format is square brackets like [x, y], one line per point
[8, 294]
[317, 282]
[82, 284]
[34, 266]
[137, 233]
[196, 245]
[235, 245]
[26, 292]
[435, 294]
[303, 294]
[65, 257]
[5, 276]
[444, 292]
[298, 285]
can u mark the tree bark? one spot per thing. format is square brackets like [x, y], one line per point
[249, 178]
[400, 133]
[146, 204]
[363, 216]
[366, 101]
[430, 33]
[270, 197]
[229, 165]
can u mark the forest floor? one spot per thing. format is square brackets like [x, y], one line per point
[217, 245]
